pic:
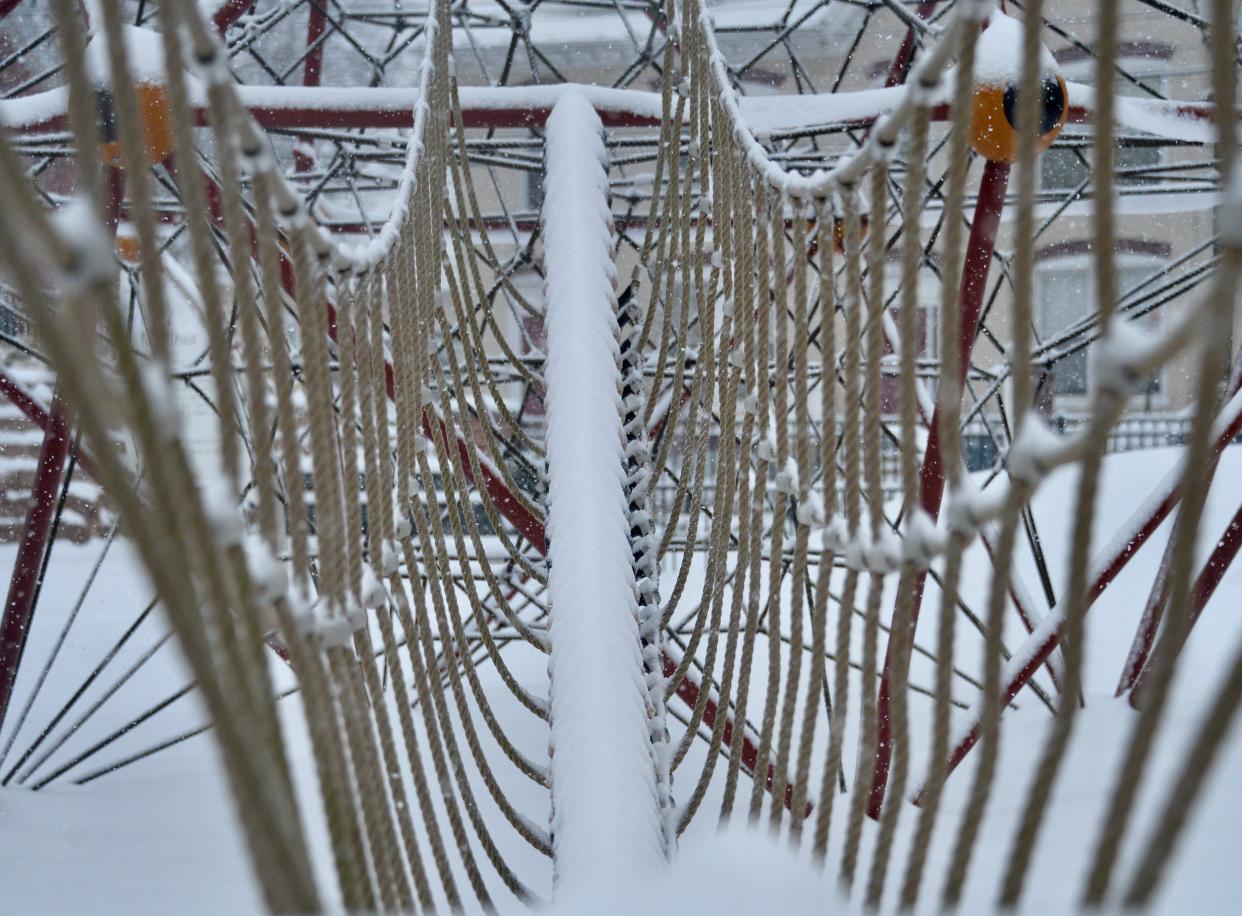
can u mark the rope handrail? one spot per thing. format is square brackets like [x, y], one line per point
[924, 80]
[358, 438]
[210, 59]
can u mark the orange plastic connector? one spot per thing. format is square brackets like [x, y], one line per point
[838, 232]
[156, 115]
[127, 244]
[993, 132]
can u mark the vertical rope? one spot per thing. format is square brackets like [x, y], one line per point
[308, 664]
[779, 322]
[851, 441]
[873, 477]
[384, 560]
[822, 515]
[160, 535]
[1212, 353]
[758, 358]
[950, 398]
[799, 485]
[1028, 105]
[903, 618]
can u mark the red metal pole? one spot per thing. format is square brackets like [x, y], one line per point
[1109, 571]
[19, 605]
[1149, 623]
[291, 108]
[688, 692]
[23, 401]
[502, 498]
[975, 267]
[229, 12]
[49, 474]
[36, 414]
[1145, 635]
[1217, 565]
[900, 68]
[312, 67]
[1209, 577]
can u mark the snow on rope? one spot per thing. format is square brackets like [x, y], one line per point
[921, 87]
[602, 840]
[209, 56]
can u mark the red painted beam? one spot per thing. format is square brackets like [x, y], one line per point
[36, 414]
[1109, 571]
[23, 401]
[489, 115]
[1149, 623]
[19, 605]
[294, 117]
[312, 67]
[316, 24]
[228, 13]
[688, 692]
[530, 526]
[297, 107]
[900, 68]
[978, 261]
[1216, 566]
[313, 117]
[1214, 569]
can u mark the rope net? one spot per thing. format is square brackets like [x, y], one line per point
[376, 515]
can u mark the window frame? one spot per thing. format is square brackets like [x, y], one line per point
[1141, 266]
[1152, 72]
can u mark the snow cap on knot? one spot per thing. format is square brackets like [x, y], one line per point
[1029, 454]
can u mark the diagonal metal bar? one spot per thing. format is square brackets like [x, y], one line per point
[1214, 569]
[20, 604]
[1048, 636]
[978, 260]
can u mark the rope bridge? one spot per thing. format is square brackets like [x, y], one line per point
[689, 673]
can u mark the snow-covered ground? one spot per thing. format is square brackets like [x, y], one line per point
[159, 836]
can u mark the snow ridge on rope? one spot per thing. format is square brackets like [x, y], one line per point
[366, 428]
[604, 841]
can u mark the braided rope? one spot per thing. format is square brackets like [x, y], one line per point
[873, 342]
[903, 622]
[731, 279]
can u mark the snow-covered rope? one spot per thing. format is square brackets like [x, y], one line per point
[210, 59]
[753, 302]
[924, 80]
[603, 841]
[867, 544]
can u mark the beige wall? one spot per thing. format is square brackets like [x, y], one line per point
[1155, 229]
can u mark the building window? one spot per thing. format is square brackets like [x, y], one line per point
[12, 323]
[534, 190]
[1066, 167]
[926, 344]
[1064, 300]
[1062, 168]
[1066, 297]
